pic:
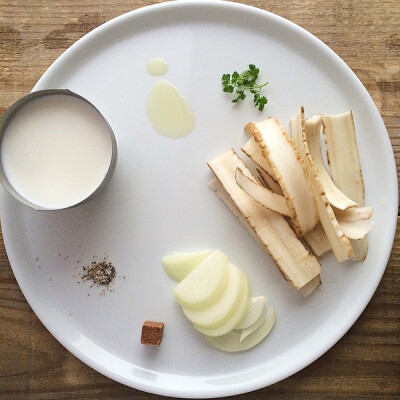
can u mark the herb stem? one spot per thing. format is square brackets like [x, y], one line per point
[247, 80]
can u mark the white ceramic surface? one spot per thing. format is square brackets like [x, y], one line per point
[158, 201]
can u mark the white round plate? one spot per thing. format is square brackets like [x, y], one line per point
[159, 203]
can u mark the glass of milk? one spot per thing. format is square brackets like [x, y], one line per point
[56, 150]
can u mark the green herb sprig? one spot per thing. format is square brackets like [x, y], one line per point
[246, 81]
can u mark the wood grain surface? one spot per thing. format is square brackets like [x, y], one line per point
[365, 363]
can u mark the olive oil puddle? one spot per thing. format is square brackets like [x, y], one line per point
[157, 66]
[170, 113]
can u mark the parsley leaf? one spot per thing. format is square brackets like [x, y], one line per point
[246, 81]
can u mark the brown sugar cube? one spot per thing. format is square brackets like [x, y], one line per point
[152, 333]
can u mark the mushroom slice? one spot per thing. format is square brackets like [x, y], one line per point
[317, 240]
[288, 167]
[310, 286]
[253, 150]
[353, 214]
[261, 194]
[344, 162]
[336, 197]
[268, 181]
[356, 229]
[295, 262]
[341, 245]
[217, 187]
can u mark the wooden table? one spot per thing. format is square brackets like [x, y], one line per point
[366, 362]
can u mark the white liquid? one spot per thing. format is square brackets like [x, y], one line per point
[169, 112]
[56, 151]
[156, 66]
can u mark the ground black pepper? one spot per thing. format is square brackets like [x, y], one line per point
[101, 273]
